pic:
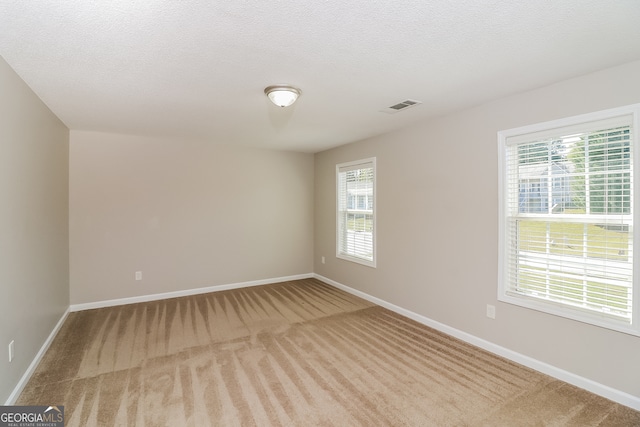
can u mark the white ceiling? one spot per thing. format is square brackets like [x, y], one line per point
[198, 68]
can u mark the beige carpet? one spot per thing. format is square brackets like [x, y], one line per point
[296, 354]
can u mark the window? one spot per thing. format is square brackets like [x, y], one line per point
[356, 188]
[567, 213]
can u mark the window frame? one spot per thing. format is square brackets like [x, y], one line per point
[365, 163]
[558, 308]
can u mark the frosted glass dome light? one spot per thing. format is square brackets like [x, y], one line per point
[282, 95]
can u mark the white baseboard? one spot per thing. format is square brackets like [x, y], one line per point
[144, 298]
[188, 292]
[568, 377]
[584, 383]
[36, 360]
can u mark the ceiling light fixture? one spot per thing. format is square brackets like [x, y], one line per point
[282, 95]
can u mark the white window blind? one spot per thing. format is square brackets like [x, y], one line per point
[568, 219]
[356, 212]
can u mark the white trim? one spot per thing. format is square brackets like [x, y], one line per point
[347, 166]
[571, 378]
[144, 298]
[187, 292]
[625, 115]
[581, 119]
[594, 387]
[36, 360]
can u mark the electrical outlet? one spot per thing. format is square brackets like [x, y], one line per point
[323, 260]
[491, 311]
[138, 275]
[11, 350]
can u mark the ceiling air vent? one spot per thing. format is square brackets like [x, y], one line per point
[401, 106]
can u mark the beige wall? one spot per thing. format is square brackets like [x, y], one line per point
[192, 214]
[187, 214]
[437, 219]
[34, 263]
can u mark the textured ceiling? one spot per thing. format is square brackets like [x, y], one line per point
[197, 69]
